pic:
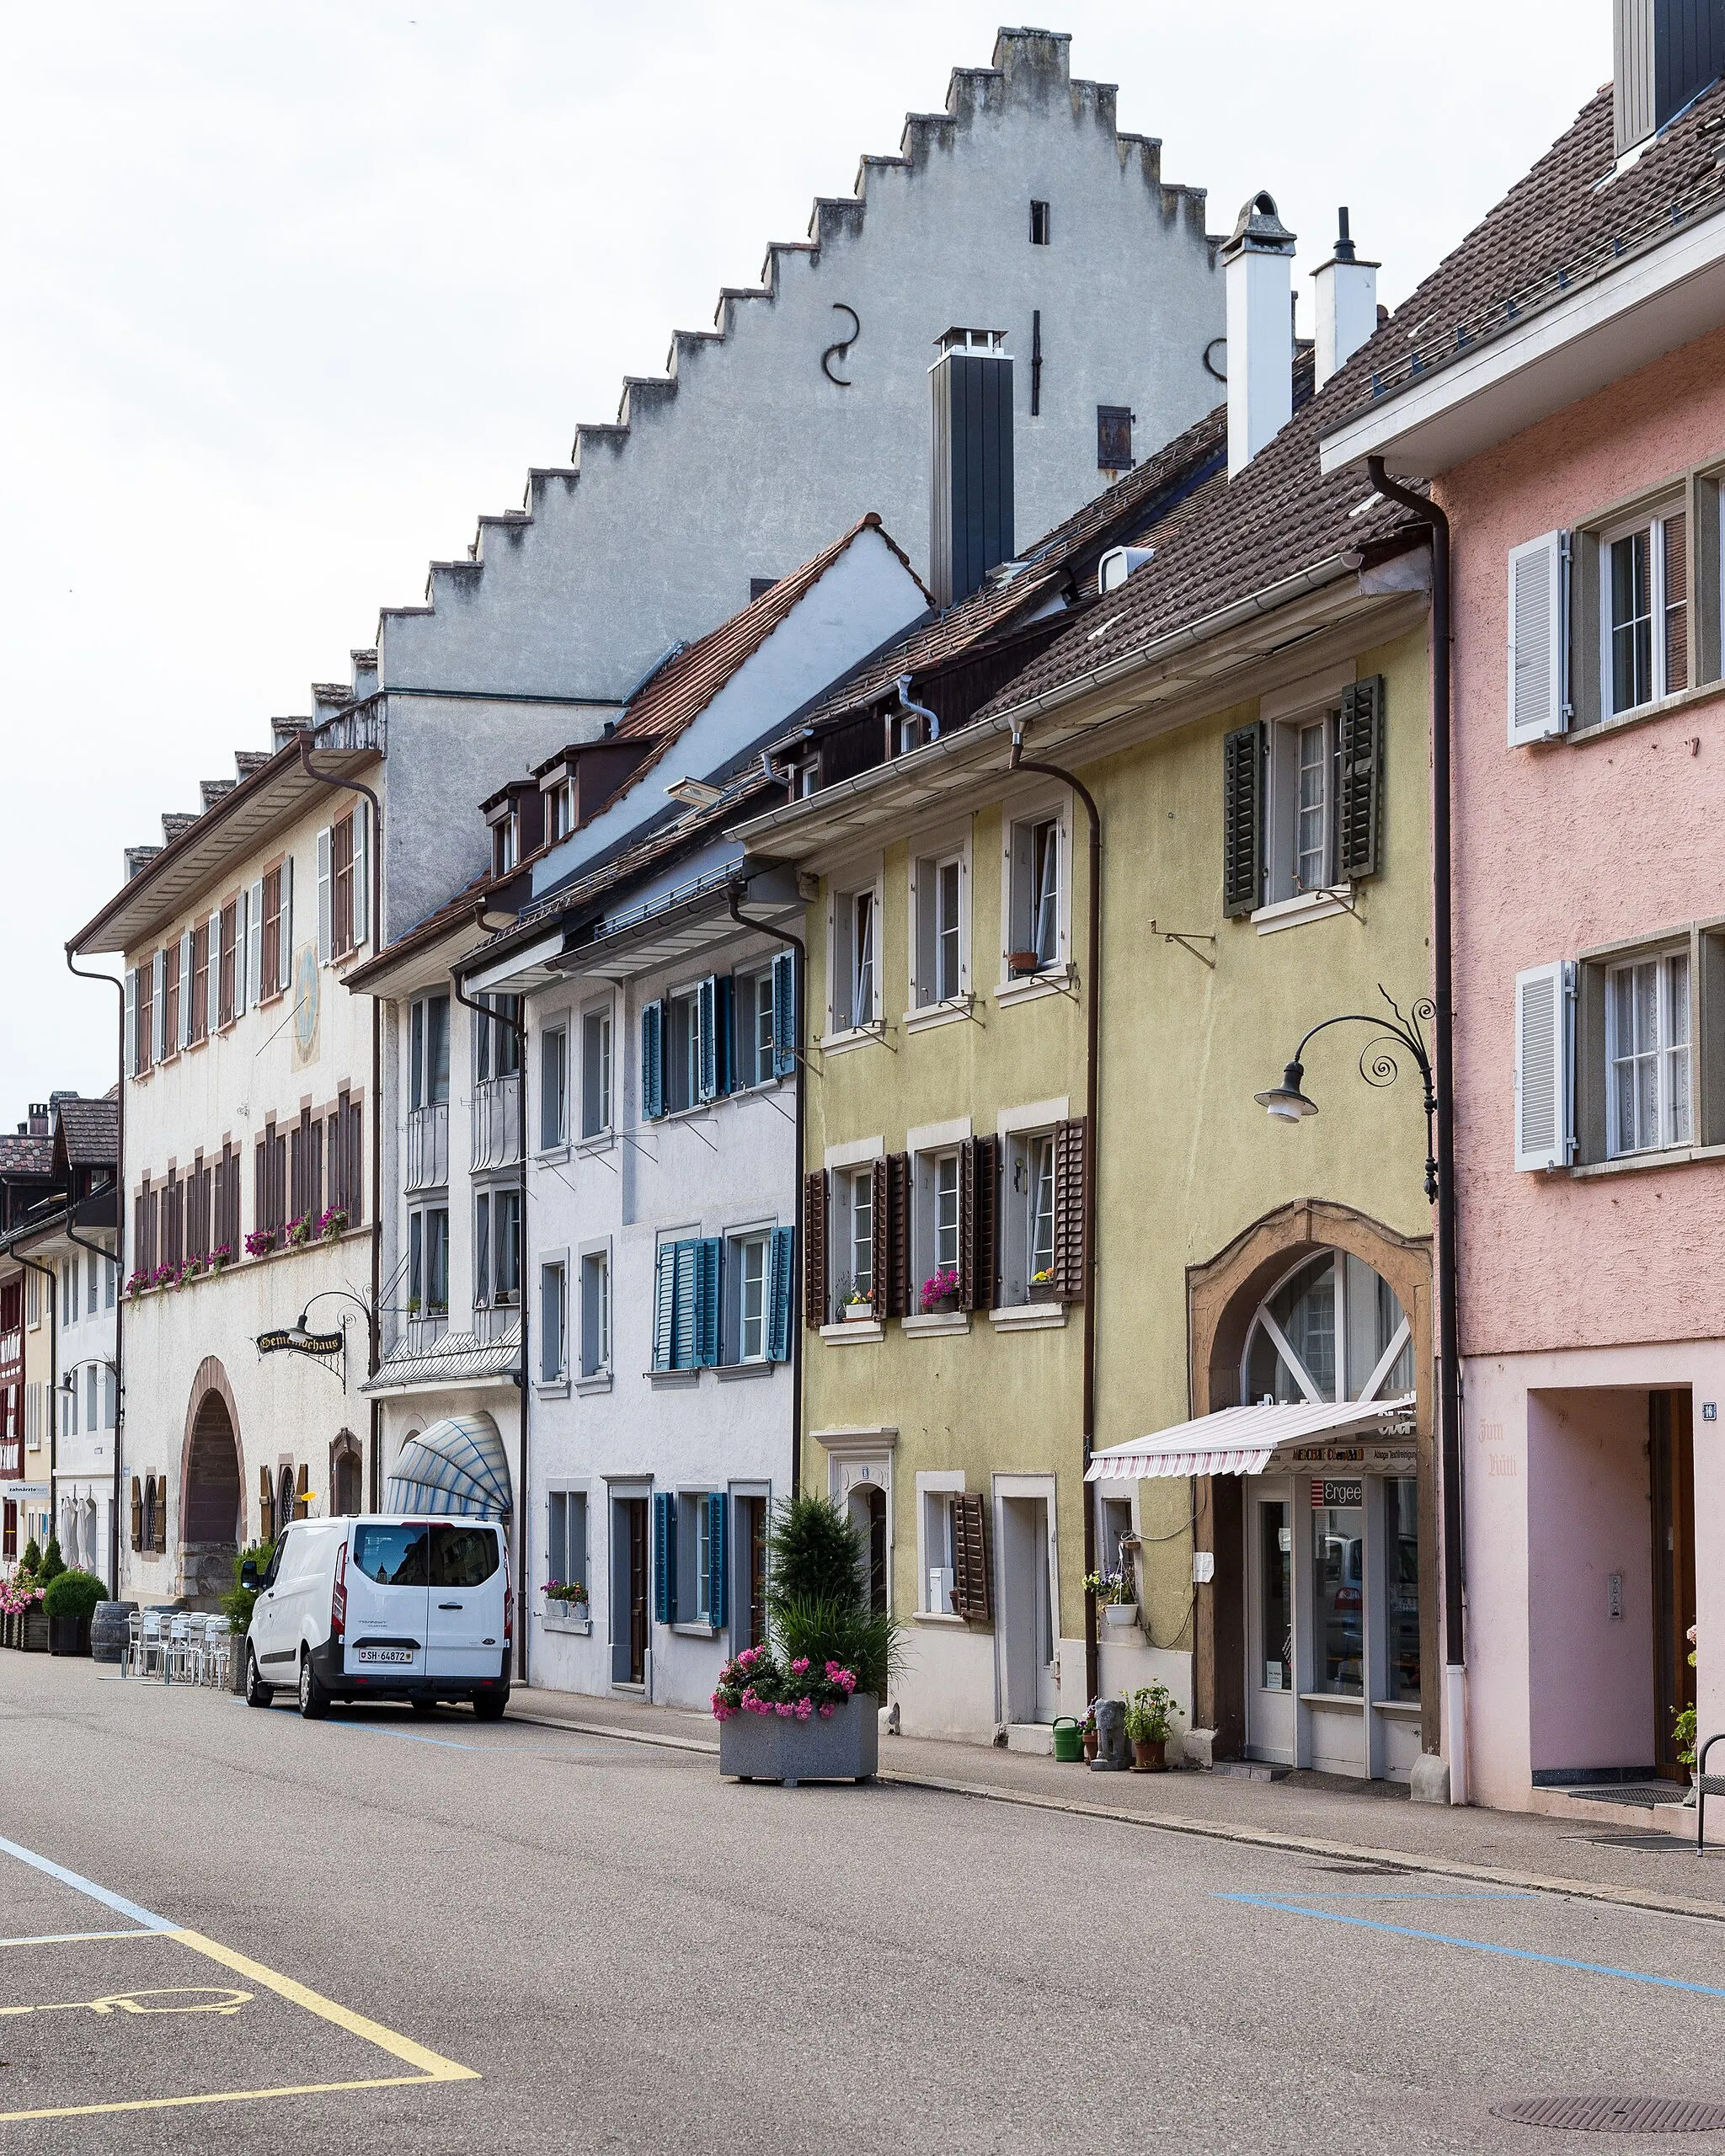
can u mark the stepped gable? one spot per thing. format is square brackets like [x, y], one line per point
[1028, 65]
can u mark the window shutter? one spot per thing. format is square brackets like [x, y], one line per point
[212, 992]
[784, 1014]
[978, 1238]
[717, 1569]
[901, 1296]
[131, 1032]
[1072, 1170]
[880, 1245]
[815, 1288]
[1358, 809]
[302, 1492]
[1021, 869]
[971, 1600]
[254, 944]
[665, 1556]
[706, 1258]
[361, 871]
[137, 1513]
[652, 1061]
[1539, 639]
[724, 1035]
[707, 1055]
[663, 1302]
[923, 878]
[1242, 819]
[967, 1224]
[1542, 1066]
[158, 1006]
[781, 1280]
[325, 914]
[684, 1305]
[183, 1026]
[266, 1506]
[284, 948]
[160, 1537]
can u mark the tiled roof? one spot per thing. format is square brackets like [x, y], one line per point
[89, 1130]
[22, 1154]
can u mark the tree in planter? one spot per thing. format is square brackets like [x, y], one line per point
[74, 1594]
[29, 1565]
[817, 1595]
[52, 1564]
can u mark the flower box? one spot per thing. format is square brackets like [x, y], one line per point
[27, 1630]
[1042, 1291]
[940, 1306]
[1020, 964]
[1119, 1615]
[859, 1313]
[562, 1616]
[779, 1749]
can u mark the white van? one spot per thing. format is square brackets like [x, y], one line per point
[379, 1606]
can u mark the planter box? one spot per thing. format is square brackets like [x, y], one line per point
[769, 1748]
[28, 1631]
[567, 1617]
[69, 1635]
[941, 1305]
[858, 1313]
[1042, 1291]
[1119, 1615]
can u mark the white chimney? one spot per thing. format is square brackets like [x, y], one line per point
[1260, 329]
[1347, 305]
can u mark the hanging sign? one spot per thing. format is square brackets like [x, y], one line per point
[300, 1343]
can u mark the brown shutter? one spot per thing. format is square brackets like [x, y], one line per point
[881, 1292]
[302, 1492]
[1361, 758]
[137, 1513]
[161, 1542]
[970, 1566]
[1242, 819]
[1072, 1172]
[967, 1224]
[901, 1295]
[814, 1290]
[979, 1172]
[266, 1506]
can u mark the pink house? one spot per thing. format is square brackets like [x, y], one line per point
[1566, 402]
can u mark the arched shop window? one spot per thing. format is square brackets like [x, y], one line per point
[1331, 1329]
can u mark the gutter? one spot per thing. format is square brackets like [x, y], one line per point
[47, 1273]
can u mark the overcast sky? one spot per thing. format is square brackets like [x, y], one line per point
[291, 295]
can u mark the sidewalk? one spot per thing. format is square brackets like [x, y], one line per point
[1605, 1852]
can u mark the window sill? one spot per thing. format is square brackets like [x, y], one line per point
[1028, 1317]
[729, 1373]
[935, 1325]
[849, 1036]
[937, 1617]
[1051, 980]
[703, 1630]
[550, 1389]
[928, 1016]
[601, 1141]
[854, 1333]
[1304, 905]
[1703, 692]
[599, 1382]
[1629, 1164]
[673, 1380]
[1351, 1701]
[552, 1156]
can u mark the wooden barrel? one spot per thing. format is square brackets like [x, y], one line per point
[108, 1631]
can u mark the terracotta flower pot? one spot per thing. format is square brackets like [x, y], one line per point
[1090, 1743]
[1149, 1755]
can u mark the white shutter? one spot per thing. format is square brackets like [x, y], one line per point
[242, 945]
[362, 872]
[212, 993]
[324, 897]
[1543, 1048]
[158, 1005]
[131, 1027]
[185, 991]
[284, 947]
[254, 945]
[1539, 639]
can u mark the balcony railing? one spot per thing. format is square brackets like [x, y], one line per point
[424, 1333]
[494, 1321]
[428, 1147]
[497, 1121]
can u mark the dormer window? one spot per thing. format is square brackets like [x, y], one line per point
[560, 811]
[505, 844]
[805, 778]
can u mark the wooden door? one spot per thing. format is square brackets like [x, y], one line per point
[636, 1510]
[754, 1512]
[1671, 1455]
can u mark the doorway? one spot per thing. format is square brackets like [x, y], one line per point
[748, 1623]
[629, 1591]
[1271, 1692]
[1671, 1459]
[1027, 1610]
[211, 1540]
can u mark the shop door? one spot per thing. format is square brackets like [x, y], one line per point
[1271, 1694]
[1671, 1454]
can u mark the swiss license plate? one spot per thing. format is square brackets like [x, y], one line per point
[385, 1654]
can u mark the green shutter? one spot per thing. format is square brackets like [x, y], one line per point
[1362, 779]
[665, 1556]
[725, 1035]
[707, 1257]
[781, 1280]
[683, 1311]
[715, 1567]
[652, 1061]
[784, 1014]
[1242, 819]
[706, 1005]
[664, 1304]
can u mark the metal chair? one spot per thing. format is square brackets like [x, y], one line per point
[151, 1645]
[1706, 1785]
[218, 1653]
[178, 1650]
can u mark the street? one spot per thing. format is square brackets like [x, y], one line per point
[427, 1933]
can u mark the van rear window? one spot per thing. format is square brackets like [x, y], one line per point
[393, 1556]
[462, 1556]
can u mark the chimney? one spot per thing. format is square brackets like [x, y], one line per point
[970, 512]
[39, 1118]
[1260, 329]
[1347, 305]
[1665, 53]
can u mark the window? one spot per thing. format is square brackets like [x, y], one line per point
[595, 1313]
[269, 1181]
[560, 811]
[595, 1073]
[229, 1001]
[854, 978]
[33, 1300]
[553, 1322]
[346, 1155]
[68, 1408]
[566, 1538]
[92, 1413]
[496, 1248]
[1036, 1167]
[1113, 438]
[752, 999]
[428, 1052]
[682, 1061]
[1647, 1049]
[198, 1015]
[1644, 612]
[1338, 1582]
[1401, 1584]
[428, 1262]
[805, 778]
[936, 897]
[553, 1087]
[170, 999]
[1039, 224]
[505, 843]
[68, 1292]
[938, 1552]
[306, 1170]
[227, 1202]
[856, 1188]
[685, 1305]
[497, 1041]
[1038, 938]
[1302, 800]
[343, 880]
[143, 1044]
[1333, 1329]
[747, 1259]
[277, 930]
[691, 1557]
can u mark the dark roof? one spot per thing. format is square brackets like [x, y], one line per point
[88, 1130]
[22, 1154]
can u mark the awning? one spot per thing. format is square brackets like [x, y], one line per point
[457, 1466]
[1240, 1440]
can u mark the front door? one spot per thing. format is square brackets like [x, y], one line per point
[1671, 1453]
[1271, 1692]
[629, 1591]
[1027, 1595]
[749, 1624]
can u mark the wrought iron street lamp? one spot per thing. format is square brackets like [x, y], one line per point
[1378, 1066]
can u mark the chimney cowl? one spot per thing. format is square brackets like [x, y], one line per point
[1258, 228]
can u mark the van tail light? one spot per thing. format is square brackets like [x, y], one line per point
[338, 1597]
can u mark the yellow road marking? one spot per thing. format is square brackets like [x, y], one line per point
[230, 2096]
[224, 2001]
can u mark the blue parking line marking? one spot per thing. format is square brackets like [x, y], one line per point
[1479, 1945]
[1408, 1894]
[147, 1918]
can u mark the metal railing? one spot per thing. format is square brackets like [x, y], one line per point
[497, 1121]
[426, 1332]
[428, 1146]
[495, 1321]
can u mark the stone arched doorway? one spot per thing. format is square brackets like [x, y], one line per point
[210, 1509]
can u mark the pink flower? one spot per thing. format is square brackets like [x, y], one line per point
[784, 1710]
[804, 1707]
[826, 1714]
[799, 1665]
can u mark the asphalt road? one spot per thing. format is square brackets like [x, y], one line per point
[383, 1932]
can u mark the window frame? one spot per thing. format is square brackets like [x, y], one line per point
[863, 882]
[937, 991]
[734, 1286]
[1662, 1053]
[937, 1490]
[1018, 902]
[555, 1084]
[593, 1260]
[553, 1276]
[682, 1062]
[1654, 515]
[602, 1016]
[752, 1007]
[422, 1244]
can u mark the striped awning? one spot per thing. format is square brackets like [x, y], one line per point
[1243, 1440]
[457, 1466]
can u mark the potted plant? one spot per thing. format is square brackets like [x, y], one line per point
[299, 1232]
[1042, 1286]
[1089, 1732]
[1149, 1715]
[1022, 964]
[221, 1256]
[565, 1606]
[940, 1291]
[137, 1282]
[855, 1307]
[259, 1242]
[333, 1223]
[25, 1625]
[191, 1270]
[164, 1276]
[68, 1603]
[807, 1707]
[1116, 1598]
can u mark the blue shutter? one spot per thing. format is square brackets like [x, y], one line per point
[664, 1295]
[707, 1004]
[784, 1014]
[715, 1567]
[781, 1278]
[682, 1329]
[707, 1262]
[725, 1035]
[665, 1556]
[652, 1061]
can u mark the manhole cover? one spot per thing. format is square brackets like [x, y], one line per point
[1615, 2114]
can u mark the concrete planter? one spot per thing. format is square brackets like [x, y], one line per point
[769, 1749]
[566, 1616]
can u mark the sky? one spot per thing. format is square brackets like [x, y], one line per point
[290, 295]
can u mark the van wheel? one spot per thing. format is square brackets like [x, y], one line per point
[314, 1700]
[489, 1706]
[257, 1693]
